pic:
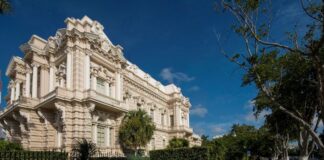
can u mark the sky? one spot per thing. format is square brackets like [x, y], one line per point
[174, 41]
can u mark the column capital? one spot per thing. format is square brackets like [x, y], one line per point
[18, 81]
[52, 64]
[61, 109]
[118, 70]
[44, 67]
[91, 107]
[11, 83]
[88, 53]
[35, 64]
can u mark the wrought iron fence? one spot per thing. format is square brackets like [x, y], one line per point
[33, 155]
[100, 156]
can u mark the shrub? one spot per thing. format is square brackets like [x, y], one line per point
[195, 153]
[109, 158]
[138, 158]
[84, 149]
[121, 158]
[9, 146]
[178, 143]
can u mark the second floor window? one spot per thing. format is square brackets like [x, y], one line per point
[172, 121]
[162, 119]
[100, 86]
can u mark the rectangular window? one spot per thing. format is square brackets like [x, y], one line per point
[100, 135]
[152, 114]
[153, 143]
[100, 86]
[172, 121]
[162, 119]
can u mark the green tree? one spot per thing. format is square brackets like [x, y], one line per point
[136, 130]
[293, 90]
[5, 6]
[216, 148]
[263, 57]
[178, 143]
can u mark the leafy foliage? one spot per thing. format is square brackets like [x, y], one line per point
[84, 149]
[109, 158]
[10, 146]
[136, 130]
[5, 6]
[178, 143]
[289, 75]
[241, 140]
[195, 153]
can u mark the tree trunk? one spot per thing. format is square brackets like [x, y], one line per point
[274, 157]
[303, 157]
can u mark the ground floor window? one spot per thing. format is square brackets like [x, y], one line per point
[101, 135]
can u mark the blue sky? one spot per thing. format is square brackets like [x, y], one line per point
[174, 41]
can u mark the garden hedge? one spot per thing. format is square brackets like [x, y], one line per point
[194, 153]
[109, 158]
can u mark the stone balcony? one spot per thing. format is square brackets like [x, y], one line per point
[23, 102]
[182, 129]
[106, 102]
[90, 95]
[174, 129]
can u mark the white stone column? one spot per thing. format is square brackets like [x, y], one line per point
[179, 116]
[165, 119]
[35, 81]
[188, 120]
[118, 85]
[12, 93]
[69, 70]
[17, 90]
[59, 137]
[27, 93]
[94, 82]
[107, 136]
[113, 93]
[107, 88]
[87, 72]
[94, 133]
[51, 78]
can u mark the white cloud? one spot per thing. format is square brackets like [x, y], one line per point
[249, 104]
[194, 88]
[217, 129]
[199, 111]
[170, 76]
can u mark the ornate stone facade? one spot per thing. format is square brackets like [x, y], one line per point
[77, 84]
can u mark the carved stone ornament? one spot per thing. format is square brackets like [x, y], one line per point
[60, 114]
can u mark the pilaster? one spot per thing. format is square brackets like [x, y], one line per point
[35, 80]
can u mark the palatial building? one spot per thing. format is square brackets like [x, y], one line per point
[77, 84]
